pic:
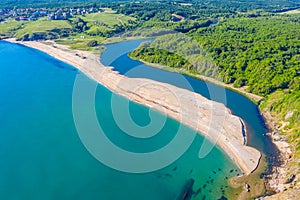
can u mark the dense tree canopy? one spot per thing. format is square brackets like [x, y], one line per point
[262, 53]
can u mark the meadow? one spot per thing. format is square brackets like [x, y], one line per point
[42, 25]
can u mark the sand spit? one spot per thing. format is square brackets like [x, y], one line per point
[210, 119]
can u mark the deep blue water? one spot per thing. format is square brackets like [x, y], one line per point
[43, 157]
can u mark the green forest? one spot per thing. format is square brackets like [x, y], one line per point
[262, 53]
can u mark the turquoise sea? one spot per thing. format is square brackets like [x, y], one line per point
[42, 156]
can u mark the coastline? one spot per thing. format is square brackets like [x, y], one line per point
[279, 175]
[280, 179]
[158, 96]
[253, 97]
[278, 184]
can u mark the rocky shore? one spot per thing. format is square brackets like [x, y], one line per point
[283, 180]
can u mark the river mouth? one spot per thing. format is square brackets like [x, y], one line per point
[44, 151]
[237, 103]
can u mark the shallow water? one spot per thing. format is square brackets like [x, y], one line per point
[237, 103]
[42, 156]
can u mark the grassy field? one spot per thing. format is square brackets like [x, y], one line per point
[42, 25]
[107, 18]
[10, 25]
[82, 44]
[97, 23]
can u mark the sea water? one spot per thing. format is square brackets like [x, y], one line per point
[42, 156]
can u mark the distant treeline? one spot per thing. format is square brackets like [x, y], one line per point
[50, 3]
[198, 5]
[247, 5]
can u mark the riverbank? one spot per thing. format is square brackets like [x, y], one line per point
[279, 175]
[187, 107]
[253, 97]
[114, 40]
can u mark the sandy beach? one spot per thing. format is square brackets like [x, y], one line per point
[210, 119]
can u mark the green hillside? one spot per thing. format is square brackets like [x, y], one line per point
[42, 26]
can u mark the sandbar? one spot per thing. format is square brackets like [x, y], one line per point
[210, 119]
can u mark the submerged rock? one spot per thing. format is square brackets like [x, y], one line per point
[198, 191]
[187, 191]
[223, 198]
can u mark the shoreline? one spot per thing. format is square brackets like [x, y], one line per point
[277, 176]
[157, 95]
[252, 97]
[124, 39]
